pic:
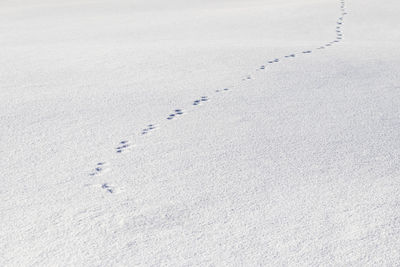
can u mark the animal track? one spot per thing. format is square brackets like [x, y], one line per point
[123, 146]
[149, 128]
[273, 61]
[177, 112]
[198, 101]
[108, 188]
[99, 169]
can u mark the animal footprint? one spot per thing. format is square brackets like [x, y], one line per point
[274, 61]
[99, 169]
[149, 128]
[288, 56]
[177, 112]
[307, 52]
[123, 145]
[202, 99]
[109, 188]
[225, 89]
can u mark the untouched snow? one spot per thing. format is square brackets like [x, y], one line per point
[120, 146]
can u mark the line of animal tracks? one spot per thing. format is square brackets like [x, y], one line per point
[125, 145]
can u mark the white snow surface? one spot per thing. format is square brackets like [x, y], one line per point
[297, 163]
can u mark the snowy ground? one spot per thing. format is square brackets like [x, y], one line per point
[283, 148]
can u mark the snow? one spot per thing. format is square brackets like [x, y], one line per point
[157, 133]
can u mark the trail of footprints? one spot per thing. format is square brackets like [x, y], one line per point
[339, 38]
[124, 145]
[100, 169]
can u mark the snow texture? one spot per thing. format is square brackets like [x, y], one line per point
[200, 133]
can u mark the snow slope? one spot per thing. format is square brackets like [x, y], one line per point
[283, 148]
